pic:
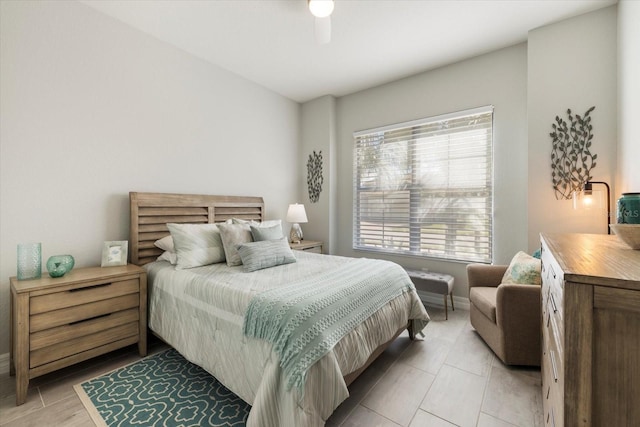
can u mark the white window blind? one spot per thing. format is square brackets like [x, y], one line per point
[425, 187]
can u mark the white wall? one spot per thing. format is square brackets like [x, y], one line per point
[319, 134]
[572, 64]
[498, 79]
[628, 179]
[92, 109]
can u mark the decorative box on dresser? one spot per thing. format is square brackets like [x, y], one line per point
[591, 331]
[56, 322]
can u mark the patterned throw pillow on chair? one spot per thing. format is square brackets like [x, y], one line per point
[524, 269]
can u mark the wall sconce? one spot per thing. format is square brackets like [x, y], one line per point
[296, 214]
[587, 200]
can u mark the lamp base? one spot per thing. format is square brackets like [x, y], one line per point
[296, 233]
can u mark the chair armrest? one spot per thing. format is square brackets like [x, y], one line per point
[485, 274]
[518, 316]
[518, 306]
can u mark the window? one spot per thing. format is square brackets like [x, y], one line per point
[425, 187]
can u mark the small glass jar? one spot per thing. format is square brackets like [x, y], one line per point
[628, 209]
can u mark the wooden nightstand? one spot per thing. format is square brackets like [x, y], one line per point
[62, 321]
[308, 246]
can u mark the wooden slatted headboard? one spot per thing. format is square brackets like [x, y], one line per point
[150, 213]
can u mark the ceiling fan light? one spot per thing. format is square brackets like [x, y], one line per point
[321, 8]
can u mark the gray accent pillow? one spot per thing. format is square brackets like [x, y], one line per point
[232, 235]
[196, 244]
[266, 233]
[265, 254]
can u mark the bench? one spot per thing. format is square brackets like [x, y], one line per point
[438, 283]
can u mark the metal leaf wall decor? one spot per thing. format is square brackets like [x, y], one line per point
[314, 176]
[571, 157]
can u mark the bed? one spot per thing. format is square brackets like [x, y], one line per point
[205, 312]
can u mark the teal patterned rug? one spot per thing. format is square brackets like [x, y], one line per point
[161, 390]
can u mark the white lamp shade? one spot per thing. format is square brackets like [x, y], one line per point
[296, 214]
[321, 8]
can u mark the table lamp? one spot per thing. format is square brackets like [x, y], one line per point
[295, 215]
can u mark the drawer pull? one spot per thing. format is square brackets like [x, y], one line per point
[553, 365]
[548, 319]
[548, 391]
[90, 318]
[553, 273]
[553, 303]
[101, 285]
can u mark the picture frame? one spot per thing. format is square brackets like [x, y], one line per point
[115, 253]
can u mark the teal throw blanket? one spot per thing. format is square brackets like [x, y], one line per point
[304, 320]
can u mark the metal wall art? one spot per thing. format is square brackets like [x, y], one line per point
[314, 176]
[571, 157]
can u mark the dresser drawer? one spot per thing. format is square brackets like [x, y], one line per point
[553, 325]
[552, 342]
[553, 388]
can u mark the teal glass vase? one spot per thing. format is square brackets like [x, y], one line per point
[59, 265]
[29, 261]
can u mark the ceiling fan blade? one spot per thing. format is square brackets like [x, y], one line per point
[323, 30]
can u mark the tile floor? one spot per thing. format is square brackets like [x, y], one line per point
[450, 378]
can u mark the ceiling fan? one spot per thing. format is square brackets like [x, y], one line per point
[322, 10]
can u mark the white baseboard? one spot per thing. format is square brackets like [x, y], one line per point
[4, 364]
[438, 300]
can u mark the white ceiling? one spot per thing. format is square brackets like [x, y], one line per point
[271, 42]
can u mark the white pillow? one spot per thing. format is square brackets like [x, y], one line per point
[166, 244]
[172, 257]
[268, 223]
[196, 244]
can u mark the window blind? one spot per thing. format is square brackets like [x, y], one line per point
[425, 187]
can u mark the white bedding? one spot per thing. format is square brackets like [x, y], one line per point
[200, 312]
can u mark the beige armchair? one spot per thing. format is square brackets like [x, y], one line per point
[507, 316]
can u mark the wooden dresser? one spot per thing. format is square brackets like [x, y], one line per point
[590, 330]
[62, 321]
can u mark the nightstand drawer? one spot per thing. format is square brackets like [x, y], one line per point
[68, 332]
[78, 296]
[78, 345]
[78, 313]
[307, 246]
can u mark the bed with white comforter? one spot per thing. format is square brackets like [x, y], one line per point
[201, 312]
